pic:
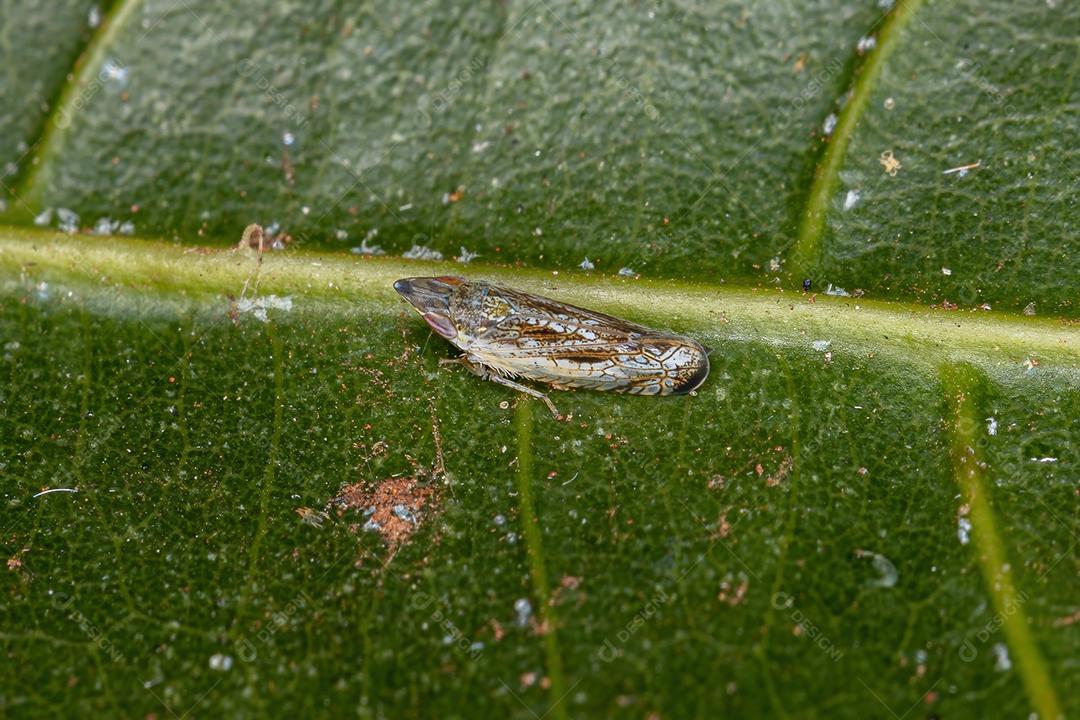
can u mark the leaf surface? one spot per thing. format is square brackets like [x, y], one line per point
[869, 509]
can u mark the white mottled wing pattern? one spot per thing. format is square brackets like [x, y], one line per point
[571, 347]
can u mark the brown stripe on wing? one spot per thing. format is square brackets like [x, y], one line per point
[518, 326]
[582, 358]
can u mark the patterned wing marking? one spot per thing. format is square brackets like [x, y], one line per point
[679, 366]
[572, 347]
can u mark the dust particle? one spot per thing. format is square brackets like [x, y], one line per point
[732, 594]
[890, 163]
[781, 472]
[312, 517]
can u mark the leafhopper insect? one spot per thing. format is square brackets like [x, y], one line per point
[507, 334]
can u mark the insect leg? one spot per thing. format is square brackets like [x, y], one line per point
[527, 390]
[483, 372]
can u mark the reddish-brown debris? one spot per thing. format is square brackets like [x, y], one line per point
[394, 507]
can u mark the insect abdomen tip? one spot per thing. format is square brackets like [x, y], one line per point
[695, 378]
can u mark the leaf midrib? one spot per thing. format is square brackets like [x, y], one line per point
[922, 336]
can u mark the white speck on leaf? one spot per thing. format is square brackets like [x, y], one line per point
[946, 271]
[221, 662]
[991, 426]
[1002, 663]
[963, 530]
[403, 513]
[259, 306]
[821, 345]
[105, 226]
[365, 249]
[626, 272]
[422, 252]
[523, 608]
[67, 220]
[850, 199]
[114, 73]
[587, 264]
[887, 573]
[838, 291]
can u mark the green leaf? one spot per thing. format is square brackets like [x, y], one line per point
[792, 540]
[869, 509]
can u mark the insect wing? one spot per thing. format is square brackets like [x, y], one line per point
[543, 308]
[572, 347]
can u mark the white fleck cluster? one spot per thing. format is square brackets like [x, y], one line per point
[258, 306]
[422, 252]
